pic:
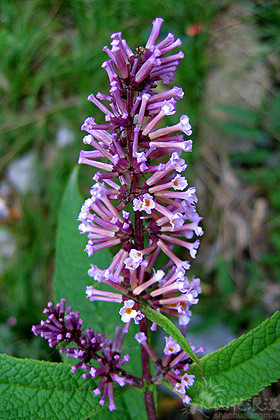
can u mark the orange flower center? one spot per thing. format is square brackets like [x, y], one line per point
[128, 311]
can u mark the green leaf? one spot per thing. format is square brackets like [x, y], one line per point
[254, 157]
[72, 263]
[272, 116]
[264, 177]
[31, 389]
[239, 370]
[71, 279]
[223, 277]
[171, 329]
[239, 130]
[240, 113]
[130, 406]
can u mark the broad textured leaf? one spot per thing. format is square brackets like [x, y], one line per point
[71, 276]
[31, 389]
[239, 370]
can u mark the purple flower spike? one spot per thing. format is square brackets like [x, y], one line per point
[174, 367]
[58, 327]
[142, 207]
[126, 149]
[88, 346]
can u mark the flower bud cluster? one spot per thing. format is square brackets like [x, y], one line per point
[88, 346]
[59, 326]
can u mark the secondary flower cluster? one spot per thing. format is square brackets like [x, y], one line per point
[173, 366]
[142, 206]
[88, 347]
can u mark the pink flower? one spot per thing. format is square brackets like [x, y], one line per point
[128, 312]
[171, 346]
[134, 260]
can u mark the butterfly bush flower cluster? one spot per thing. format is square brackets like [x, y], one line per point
[100, 357]
[173, 366]
[131, 181]
[65, 326]
[141, 204]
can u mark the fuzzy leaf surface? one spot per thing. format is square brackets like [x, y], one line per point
[239, 370]
[32, 389]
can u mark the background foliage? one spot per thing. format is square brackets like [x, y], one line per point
[51, 52]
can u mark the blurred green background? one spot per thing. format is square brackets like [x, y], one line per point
[50, 55]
